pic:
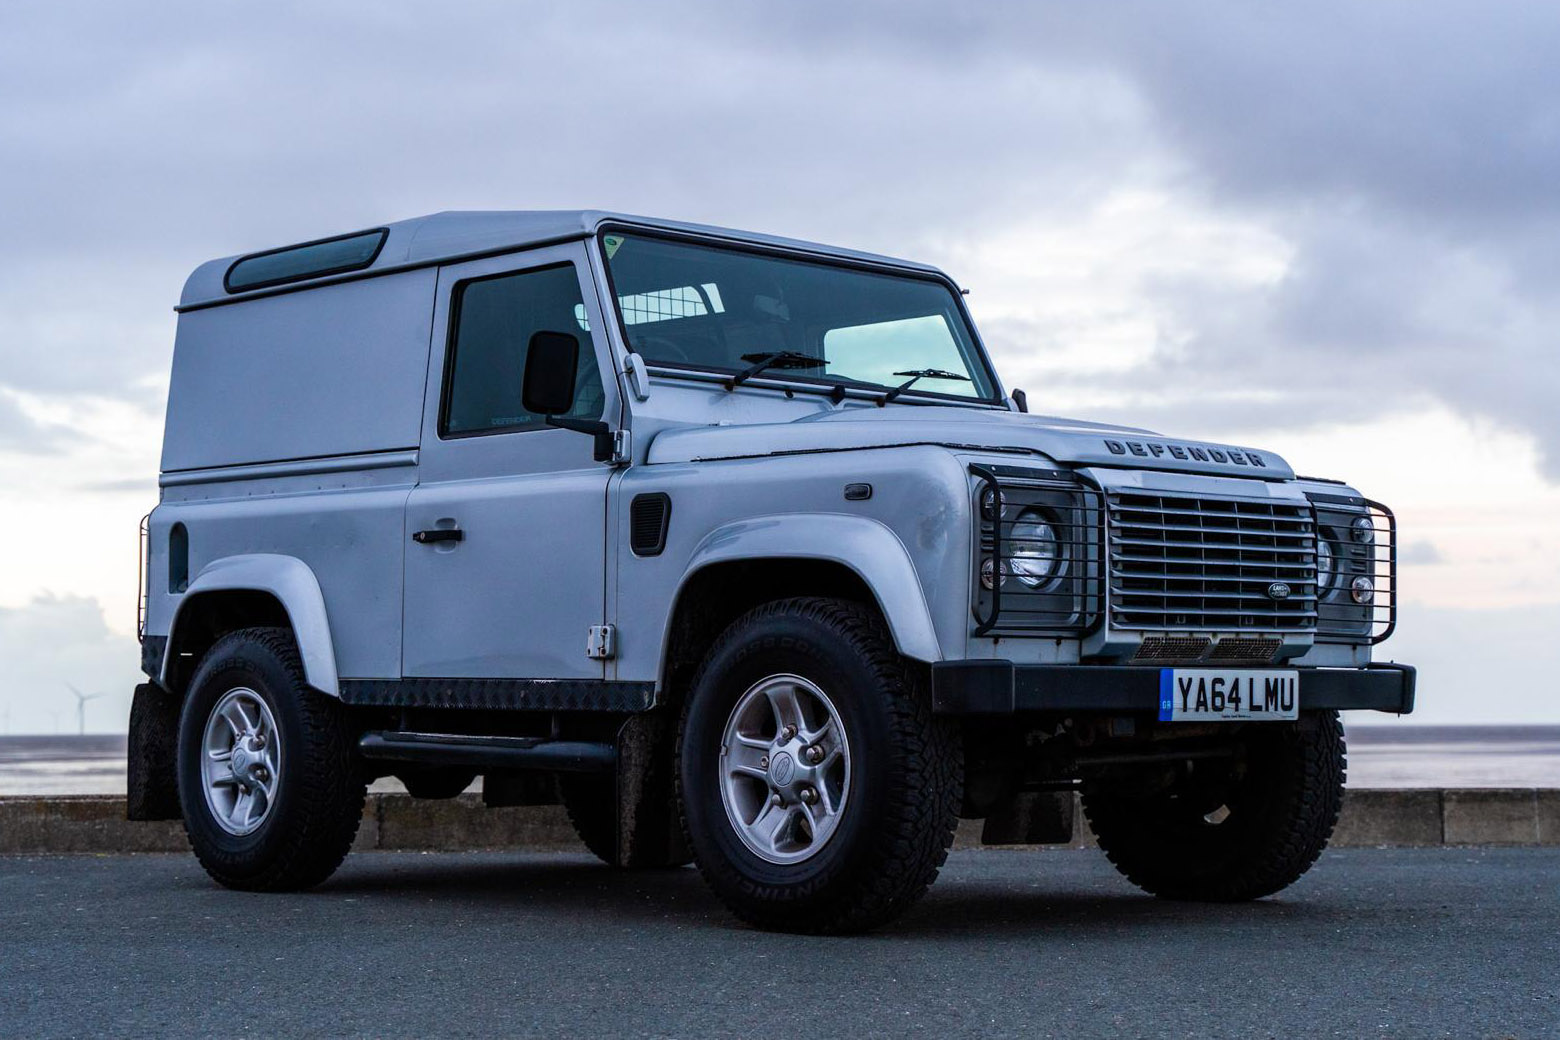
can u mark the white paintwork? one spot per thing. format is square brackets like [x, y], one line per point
[293, 584]
[869, 548]
[972, 429]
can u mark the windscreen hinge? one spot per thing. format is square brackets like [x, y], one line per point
[621, 442]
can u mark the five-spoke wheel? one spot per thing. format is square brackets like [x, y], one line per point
[242, 765]
[785, 768]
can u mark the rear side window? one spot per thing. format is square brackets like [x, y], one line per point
[494, 320]
[310, 260]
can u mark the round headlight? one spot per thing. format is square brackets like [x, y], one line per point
[990, 505]
[1362, 529]
[1362, 589]
[1325, 566]
[988, 573]
[1035, 555]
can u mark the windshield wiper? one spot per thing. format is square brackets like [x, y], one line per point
[773, 359]
[918, 374]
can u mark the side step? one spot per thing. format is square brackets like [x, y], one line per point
[454, 749]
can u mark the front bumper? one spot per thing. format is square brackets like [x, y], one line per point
[1005, 688]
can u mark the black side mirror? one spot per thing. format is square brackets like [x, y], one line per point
[552, 360]
[1021, 399]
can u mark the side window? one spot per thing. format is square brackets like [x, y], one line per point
[495, 319]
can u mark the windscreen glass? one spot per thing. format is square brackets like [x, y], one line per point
[706, 307]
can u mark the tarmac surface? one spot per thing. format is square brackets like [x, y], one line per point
[1381, 942]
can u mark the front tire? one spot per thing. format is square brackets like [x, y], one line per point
[1230, 831]
[269, 784]
[818, 792]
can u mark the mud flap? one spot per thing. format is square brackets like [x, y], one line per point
[648, 828]
[1030, 818]
[151, 782]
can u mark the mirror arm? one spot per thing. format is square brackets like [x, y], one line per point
[603, 448]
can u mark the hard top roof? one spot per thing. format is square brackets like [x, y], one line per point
[455, 234]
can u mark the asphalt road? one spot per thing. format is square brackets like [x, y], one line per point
[1427, 942]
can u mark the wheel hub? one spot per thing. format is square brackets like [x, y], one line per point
[782, 770]
[248, 762]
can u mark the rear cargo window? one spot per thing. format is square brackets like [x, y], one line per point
[495, 319]
[310, 260]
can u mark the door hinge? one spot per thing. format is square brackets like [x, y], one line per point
[620, 448]
[601, 642]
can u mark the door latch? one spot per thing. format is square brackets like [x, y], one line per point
[601, 642]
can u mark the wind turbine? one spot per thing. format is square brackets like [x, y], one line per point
[81, 708]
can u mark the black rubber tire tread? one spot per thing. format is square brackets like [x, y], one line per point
[317, 820]
[1289, 806]
[910, 826]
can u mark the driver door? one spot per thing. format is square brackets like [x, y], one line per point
[506, 530]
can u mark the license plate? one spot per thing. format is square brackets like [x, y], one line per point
[1228, 694]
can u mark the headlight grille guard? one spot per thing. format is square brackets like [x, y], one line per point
[1340, 619]
[1071, 602]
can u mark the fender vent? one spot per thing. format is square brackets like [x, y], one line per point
[648, 518]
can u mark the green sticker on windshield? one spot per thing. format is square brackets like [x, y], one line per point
[612, 242]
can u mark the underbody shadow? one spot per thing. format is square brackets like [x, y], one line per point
[958, 906]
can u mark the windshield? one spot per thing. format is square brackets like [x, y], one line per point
[707, 307]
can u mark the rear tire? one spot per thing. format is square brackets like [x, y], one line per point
[292, 820]
[1231, 831]
[862, 823]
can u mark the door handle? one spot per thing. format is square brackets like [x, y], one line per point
[438, 534]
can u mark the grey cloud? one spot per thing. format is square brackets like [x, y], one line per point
[143, 142]
[54, 643]
[1421, 553]
[1407, 152]
[21, 433]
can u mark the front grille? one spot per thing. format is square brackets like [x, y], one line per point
[1211, 564]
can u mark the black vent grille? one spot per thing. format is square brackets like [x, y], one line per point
[1240, 648]
[649, 515]
[1183, 562]
[1172, 648]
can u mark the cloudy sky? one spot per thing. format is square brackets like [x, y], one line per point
[1330, 228]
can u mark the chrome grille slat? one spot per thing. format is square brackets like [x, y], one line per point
[1188, 562]
[1178, 561]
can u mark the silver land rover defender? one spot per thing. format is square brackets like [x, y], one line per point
[735, 546]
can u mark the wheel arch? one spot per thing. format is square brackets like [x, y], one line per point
[251, 589]
[748, 562]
